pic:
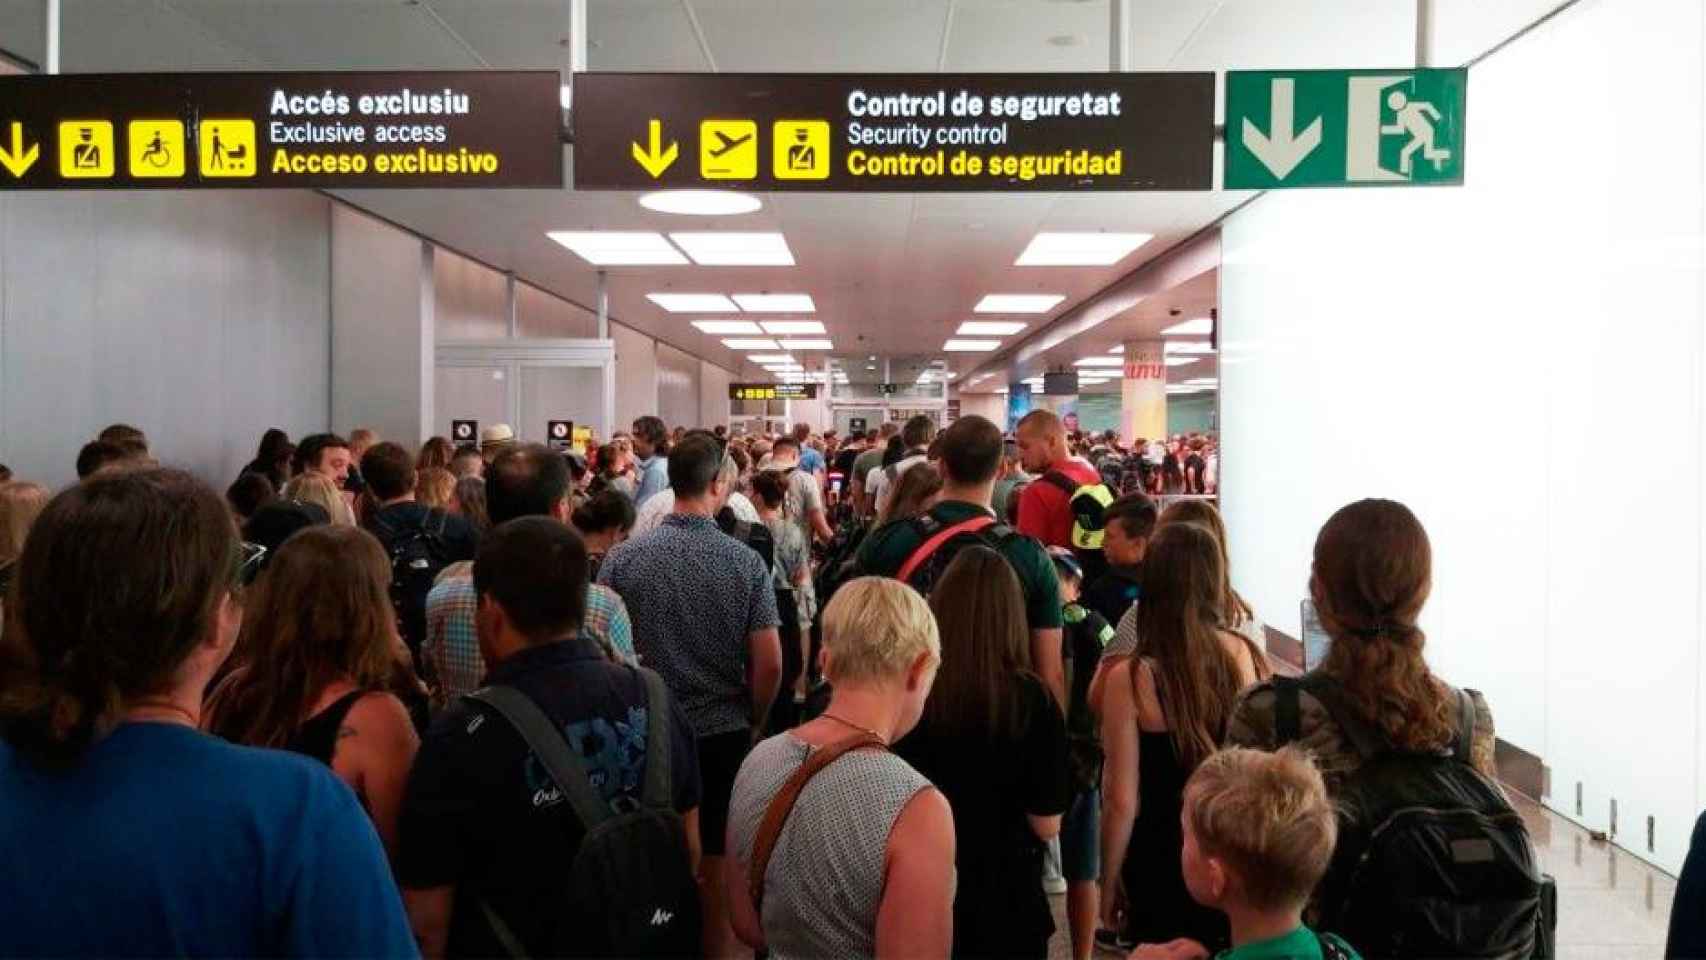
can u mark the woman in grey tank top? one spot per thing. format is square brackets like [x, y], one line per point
[864, 864]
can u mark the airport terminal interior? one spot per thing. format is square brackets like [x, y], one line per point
[1024, 478]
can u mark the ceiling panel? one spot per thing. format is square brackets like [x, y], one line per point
[642, 35]
[825, 36]
[1047, 37]
[332, 34]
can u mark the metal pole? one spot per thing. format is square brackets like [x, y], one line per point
[1424, 26]
[52, 36]
[603, 306]
[1119, 35]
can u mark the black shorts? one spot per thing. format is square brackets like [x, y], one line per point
[720, 757]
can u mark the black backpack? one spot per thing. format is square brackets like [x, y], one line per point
[631, 891]
[1431, 860]
[417, 557]
[756, 536]
[939, 543]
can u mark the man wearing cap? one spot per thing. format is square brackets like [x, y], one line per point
[494, 439]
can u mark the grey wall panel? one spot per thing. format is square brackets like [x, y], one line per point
[636, 375]
[200, 317]
[382, 337]
[539, 314]
[678, 387]
[469, 299]
[713, 395]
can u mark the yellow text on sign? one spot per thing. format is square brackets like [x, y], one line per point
[800, 150]
[728, 149]
[85, 149]
[156, 148]
[226, 148]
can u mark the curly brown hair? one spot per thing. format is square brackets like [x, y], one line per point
[1372, 575]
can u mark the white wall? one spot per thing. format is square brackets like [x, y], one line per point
[1365, 332]
[990, 406]
[200, 317]
[678, 387]
[636, 375]
[713, 395]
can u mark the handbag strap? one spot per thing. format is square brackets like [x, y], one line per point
[776, 815]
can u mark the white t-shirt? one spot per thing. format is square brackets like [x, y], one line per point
[662, 505]
[878, 482]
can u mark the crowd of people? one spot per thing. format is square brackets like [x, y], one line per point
[876, 695]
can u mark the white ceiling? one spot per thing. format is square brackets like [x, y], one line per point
[891, 274]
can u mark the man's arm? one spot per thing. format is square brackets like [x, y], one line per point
[763, 672]
[429, 917]
[1045, 656]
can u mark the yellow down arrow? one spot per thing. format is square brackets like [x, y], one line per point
[18, 161]
[653, 159]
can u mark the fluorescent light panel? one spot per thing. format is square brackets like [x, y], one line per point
[693, 302]
[807, 345]
[1080, 249]
[723, 327]
[971, 346]
[1181, 361]
[770, 358]
[991, 328]
[751, 345]
[776, 302]
[1099, 362]
[793, 326]
[1018, 303]
[615, 248]
[736, 249]
[1092, 381]
[1203, 382]
[1198, 347]
[1200, 327]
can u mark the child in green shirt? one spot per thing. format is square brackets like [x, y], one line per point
[1259, 832]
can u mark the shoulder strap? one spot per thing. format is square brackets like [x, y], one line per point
[1061, 480]
[565, 767]
[658, 719]
[929, 547]
[1465, 744]
[1362, 738]
[770, 828]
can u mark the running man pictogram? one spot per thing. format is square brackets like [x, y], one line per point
[1416, 118]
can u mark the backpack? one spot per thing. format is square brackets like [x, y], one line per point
[1089, 503]
[631, 891]
[1431, 860]
[1110, 468]
[757, 536]
[1134, 475]
[840, 560]
[417, 556]
[1086, 635]
[940, 543]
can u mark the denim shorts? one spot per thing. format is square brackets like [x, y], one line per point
[1081, 839]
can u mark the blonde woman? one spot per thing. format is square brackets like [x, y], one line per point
[435, 487]
[318, 490]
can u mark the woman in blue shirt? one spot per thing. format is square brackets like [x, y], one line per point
[127, 831]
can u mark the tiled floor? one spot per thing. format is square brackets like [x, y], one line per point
[1611, 906]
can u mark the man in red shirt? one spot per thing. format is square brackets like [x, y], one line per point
[1045, 506]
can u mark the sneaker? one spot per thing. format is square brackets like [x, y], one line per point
[1054, 881]
[1114, 942]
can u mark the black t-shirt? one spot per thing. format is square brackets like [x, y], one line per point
[1112, 593]
[844, 461]
[481, 814]
[401, 520]
[992, 784]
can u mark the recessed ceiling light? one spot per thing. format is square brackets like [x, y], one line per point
[1203, 382]
[693, 302]
[1099, 362]
[1080, 249]
[700, 203]
[770, 358]
[807, 345]
[736, 249]
[870, 366]
[1092, 381]
[995, 328]
[793, 326]
[1189, 346]
[1180, 361]
[723, 327]
[776, 302]
[785, 368]
[751, 345]
[1200, 327]
[971, 346]
[1018, 303]
[618, 248]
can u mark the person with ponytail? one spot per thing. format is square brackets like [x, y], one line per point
[128, 831]
[1372, 574]
[1164, 712]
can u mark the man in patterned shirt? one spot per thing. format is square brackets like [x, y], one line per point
[704, 612]
[522, 481]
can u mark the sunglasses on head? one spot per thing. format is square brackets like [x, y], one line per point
[247, 562]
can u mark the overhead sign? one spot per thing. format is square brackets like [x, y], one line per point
[1333, 128]
[772, 391]
[291, 130]
[895, 132]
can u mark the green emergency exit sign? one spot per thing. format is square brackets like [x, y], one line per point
[1344, 128]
